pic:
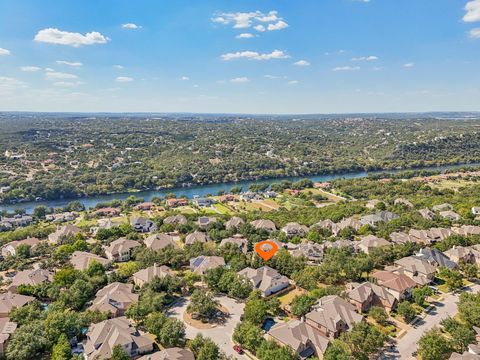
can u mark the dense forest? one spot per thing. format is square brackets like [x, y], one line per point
[53, 156]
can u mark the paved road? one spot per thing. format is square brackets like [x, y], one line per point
[408, 343]
[222, 334]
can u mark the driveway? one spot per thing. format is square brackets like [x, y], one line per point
[221, 334]
[408, 343]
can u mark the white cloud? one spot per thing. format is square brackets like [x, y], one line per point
[302, 63]
[69, 63]
[67, 83]
[474, 33]
[49, 69]
[277, 26]
[58, 37]
[55, 75]
[253, 55]
[473, 11]
[346, 68]
[123, 79]
[408, 65]
[245, 36]
[184, 78]
[365, 58]
[131, 26]
[259, 28]
[274, 77]
[293, 82]
[9, 84]
[243, 20]
[240, 80]
[4, 52]
[118, 67]
[30, 68]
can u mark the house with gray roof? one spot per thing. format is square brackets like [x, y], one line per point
[63, 232]
[436, 258]
[374, 219]
[269, 281]
[175, 220]
[313, 252]
[263, 224]
[144, 276]
[234, 222]
[294, 229]
[158, 242]
[238, 241]
[201, 264]
[81, 260]
[366, 295]
[369, 242]
[142, 224]
[170, 354]
[115, 298]
[195, 237]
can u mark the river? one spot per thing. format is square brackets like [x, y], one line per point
[203, 190]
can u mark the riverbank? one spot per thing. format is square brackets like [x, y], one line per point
[213, 189]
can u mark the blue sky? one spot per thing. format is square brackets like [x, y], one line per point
[288, 56]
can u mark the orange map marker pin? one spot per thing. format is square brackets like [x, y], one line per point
[266, 249]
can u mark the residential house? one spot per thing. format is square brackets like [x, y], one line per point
[158, 242]
[442, 207]
[81, 260]
[400, 238]
[313, 252]
[203, 202]
[121, 249]
[173, 203]
[227, 198]
[418, 269]
[63, 232]
[30, 277]
[364, 296]
[399, 285]
[62, 217]
[175, 220]
[238, 241]
[115, 298]
[142, 224]
[427, 214]
[369, 242]
[146, 206]
[201, 264]
[205, 221]
[436, 258]
[7, 328]
[195, 237]
[461, 254]
[269, 281]
[332, 316]
[329, 225]
[421, 236]
[294, 229]
[170, 354]
[10, 300]
[261, 224]
[234, 223]
[305, 340]
[144, 276]
[374, 219]
[104, 336]
[15, 221]
[107, 211]
[350, 222]
[10, 249]
[450, 215]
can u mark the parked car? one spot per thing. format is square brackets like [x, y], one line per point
[238, 349]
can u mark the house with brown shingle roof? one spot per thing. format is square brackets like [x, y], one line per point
[81, 260]
[300, 337]
[332, 316]
[461, 254]
[234, 222]
[158, 242]
[7, 328]
[201, 264]
[144, 276]
[10, 300]
[114, 298]
[369, 242]
[294, 229]
[263, 224]
[30, 277]
[10, 249]
[364, 296]
[175, 220]
[238, 241]
[418, 269]
[104, 336]
[195, 237]
[64, 231]
[170, 354]
[269, 281]
[399, 285]
[313, 252]
[121, 249]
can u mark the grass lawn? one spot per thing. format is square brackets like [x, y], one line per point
[223, 209]
[287, 298]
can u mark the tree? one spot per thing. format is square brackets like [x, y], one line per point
[172, 333]
[420, 294]
[453, 278]
[269, 350]
[363, 340]
[379, 315]
[433, 345]
[28, 342]
[204, 348]
[23, 251]
[337, 350]
[248, 335]
[61, 350]
[119, 354]
[203, 304]
[302, 304]
[469, 308]
[406, 310]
